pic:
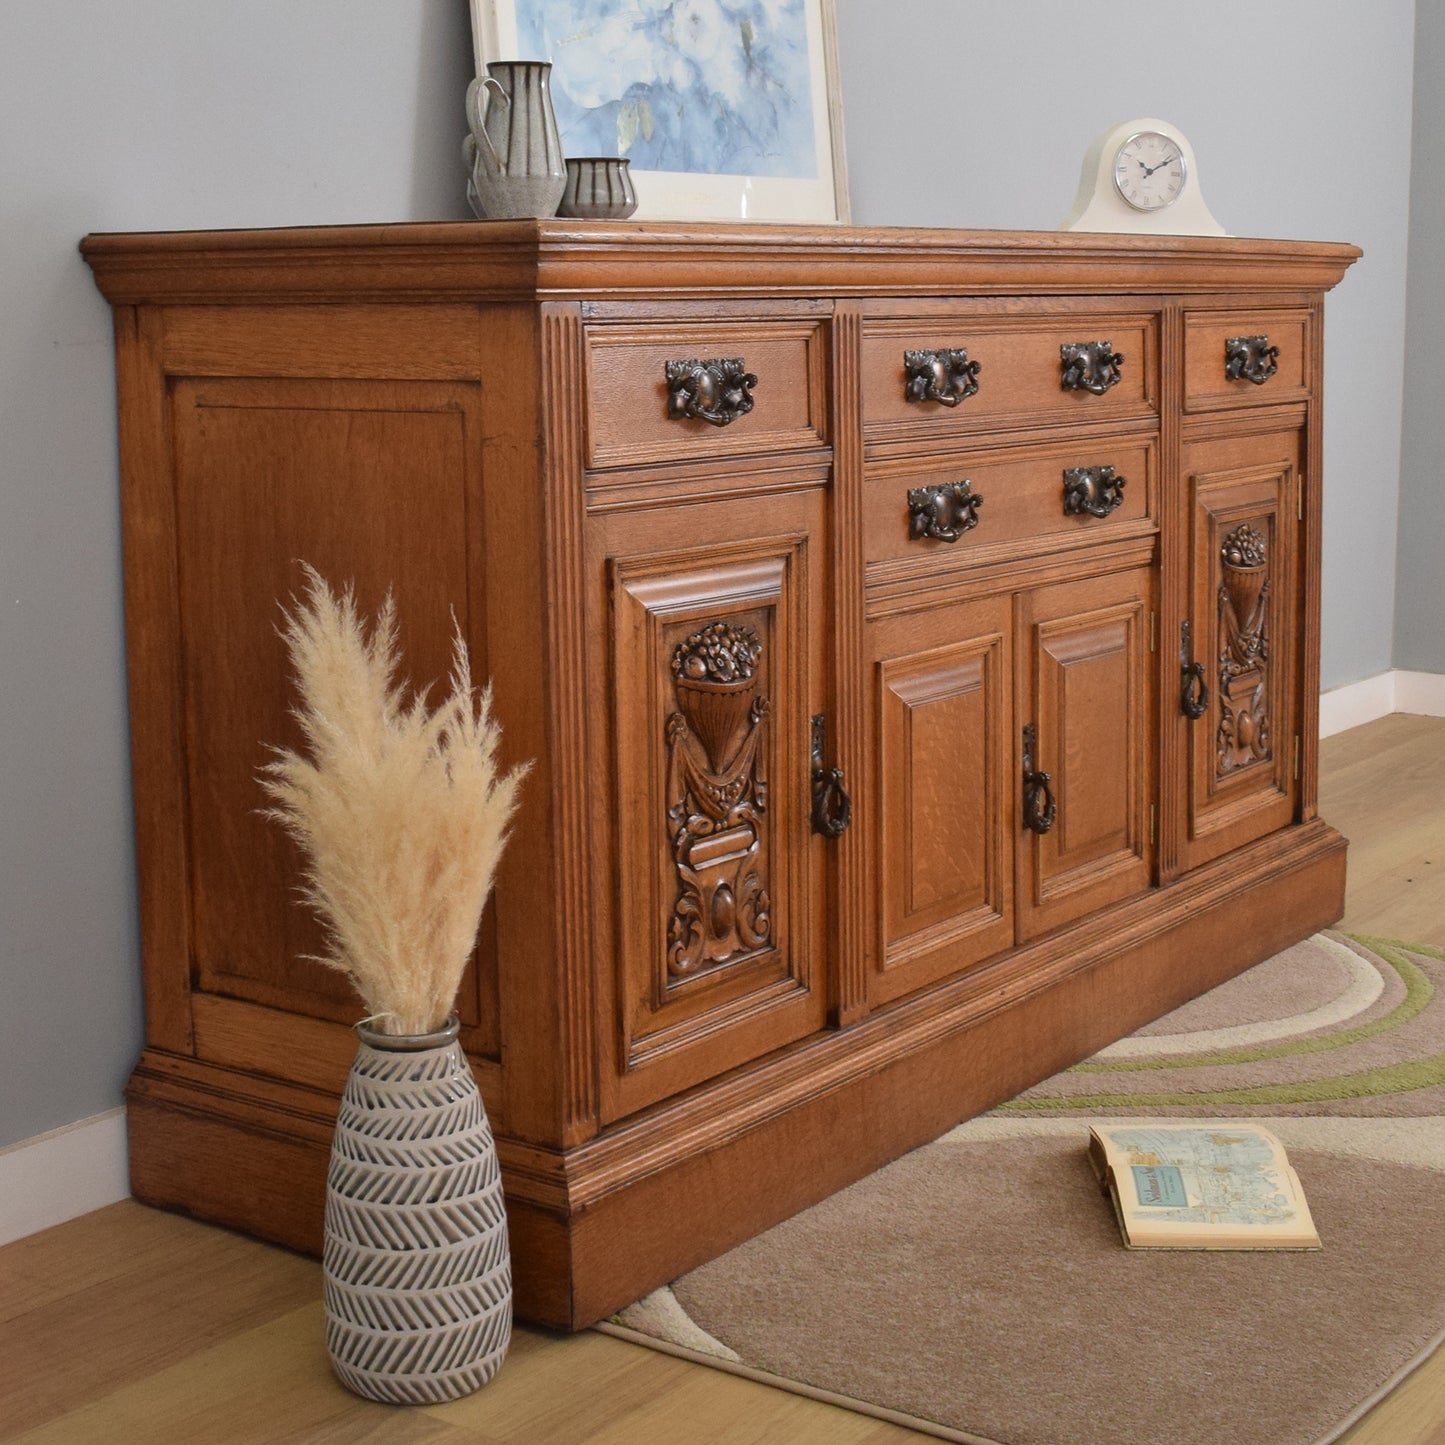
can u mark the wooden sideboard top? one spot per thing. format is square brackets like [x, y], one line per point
[577, 259]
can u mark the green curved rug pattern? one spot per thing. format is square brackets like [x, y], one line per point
[1418, 970]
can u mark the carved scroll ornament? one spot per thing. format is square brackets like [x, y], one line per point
[717, 799]
[947, 377]
[718, 391]
[1250, 358]
[1244, 731]
[1091, 366]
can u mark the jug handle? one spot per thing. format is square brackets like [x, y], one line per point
[477, 104]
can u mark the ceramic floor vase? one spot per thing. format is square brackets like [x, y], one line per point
[418, 1276]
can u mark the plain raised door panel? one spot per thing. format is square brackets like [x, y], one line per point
[1239, 664]
[944, 814]
[1084, 718]
[714, 644]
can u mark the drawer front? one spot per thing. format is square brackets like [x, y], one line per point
[686, 391]
[1054, 496]
[917, 384]
[1245, 358]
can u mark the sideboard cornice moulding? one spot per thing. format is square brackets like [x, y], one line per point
[916, 635]
[649, 259]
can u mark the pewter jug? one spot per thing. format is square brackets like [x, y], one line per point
[514, 152]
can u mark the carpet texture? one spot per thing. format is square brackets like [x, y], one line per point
[977, 1288]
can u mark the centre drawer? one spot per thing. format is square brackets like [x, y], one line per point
[953, 509]
[952, 376]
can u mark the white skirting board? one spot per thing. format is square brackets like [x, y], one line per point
[62, 1174]
[1375, 697]
[81, 1167]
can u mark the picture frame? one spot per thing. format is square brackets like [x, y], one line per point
[726, 109]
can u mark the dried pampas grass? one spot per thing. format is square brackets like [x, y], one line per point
[399, 810]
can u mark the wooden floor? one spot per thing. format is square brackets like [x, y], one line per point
[129, 1325]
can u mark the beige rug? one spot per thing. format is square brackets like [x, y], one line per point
[977, 1289]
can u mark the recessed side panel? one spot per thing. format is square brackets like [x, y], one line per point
[376, 485]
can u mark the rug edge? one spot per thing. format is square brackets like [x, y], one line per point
[1387, 1387]
[797, 1387]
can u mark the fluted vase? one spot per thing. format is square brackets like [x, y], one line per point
[418, 1276]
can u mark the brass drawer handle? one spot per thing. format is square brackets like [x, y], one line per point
[947, 377]
[1250, 358]
[945, 512]
[1092, 490]
[1193, 690]
[717, 391]
[1089, 366]
[832, 807]
[1041, 808]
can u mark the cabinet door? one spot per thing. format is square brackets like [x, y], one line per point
[1084, 716]
[943, 761]
[712, 673]
[1242, 604]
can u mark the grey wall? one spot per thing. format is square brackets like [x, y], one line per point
[1419, 610]
[168, 113]
[150, 114]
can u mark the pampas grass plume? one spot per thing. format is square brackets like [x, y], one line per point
[399, 810]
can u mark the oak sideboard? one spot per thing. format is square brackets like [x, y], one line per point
[915, 633]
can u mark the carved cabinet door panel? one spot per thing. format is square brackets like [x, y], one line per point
[1085, 709]
[1238, 660]
[715, 639]
[942, 758]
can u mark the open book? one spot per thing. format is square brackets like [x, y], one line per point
[1214, 1185]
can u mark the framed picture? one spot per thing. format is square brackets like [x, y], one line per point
[726, 109]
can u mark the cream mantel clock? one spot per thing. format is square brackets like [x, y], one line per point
[1140, 176]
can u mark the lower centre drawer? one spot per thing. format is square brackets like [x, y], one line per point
[952, 508]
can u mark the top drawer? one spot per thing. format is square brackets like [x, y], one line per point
[693, 390]
[1245, 358]
[954, 376]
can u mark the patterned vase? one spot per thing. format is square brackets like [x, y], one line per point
[418, 1275]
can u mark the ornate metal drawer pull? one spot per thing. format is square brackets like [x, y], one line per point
[1193, 690]
[1250, 358]
[718, 391]
[1040, 805]
[1095, 490]
[945, 512]
[947, 376]
[1089, 366]
[832, 807]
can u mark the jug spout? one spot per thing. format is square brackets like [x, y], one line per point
[478, 102]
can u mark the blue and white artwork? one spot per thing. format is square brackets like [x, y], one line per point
[712, 87]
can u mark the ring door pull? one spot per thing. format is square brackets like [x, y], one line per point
[1250, 358]
[944, 512]
[717, 391]
[947, 377]
[1092, 491]
[1091, 366]
[1193, 690]
[832, 807]
[1040, 805]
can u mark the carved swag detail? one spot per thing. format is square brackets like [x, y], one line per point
[716, 800]
[1244, 735]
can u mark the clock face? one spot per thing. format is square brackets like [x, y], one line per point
[1149, 171]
